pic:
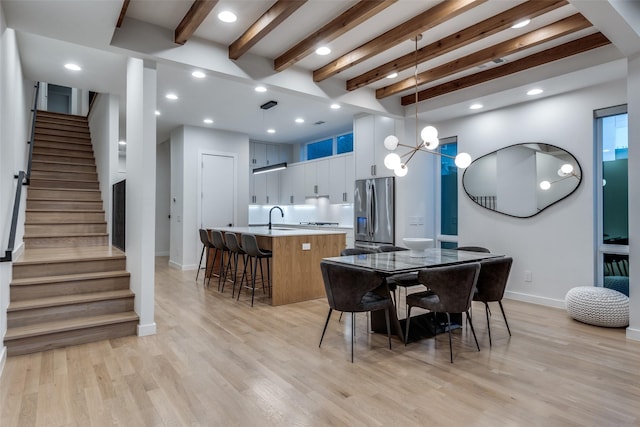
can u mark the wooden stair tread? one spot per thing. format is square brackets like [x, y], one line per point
[61, 199]
[69, 278]
[93, 190]
[69, 299]
[60, 236]
[37, 256]
[57, 163]
[63, 180]
[68, 325]
[75, 221]
[65, 210]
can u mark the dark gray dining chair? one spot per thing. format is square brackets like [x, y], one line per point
[451, 289]
[354, 290]
[492, 281]
[255, 256]
[236, 252]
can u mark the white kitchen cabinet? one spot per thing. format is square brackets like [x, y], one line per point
[264, 188]
[257, 154]
[369, 133]
[341, 179]
[316, 178]
[292, 185]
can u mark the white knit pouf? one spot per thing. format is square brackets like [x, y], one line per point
[598, 306]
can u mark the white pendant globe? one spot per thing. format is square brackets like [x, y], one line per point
[566, 168]
[391, 142]
[392, 161]
[401, 170]
[463, 160]
[429, 134]
[545, 185]
[432, 145]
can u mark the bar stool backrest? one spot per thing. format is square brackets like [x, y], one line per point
[204, 238]
[250, 245]
[218, 240]
[232, 243]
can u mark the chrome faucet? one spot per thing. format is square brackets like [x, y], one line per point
[271, 210]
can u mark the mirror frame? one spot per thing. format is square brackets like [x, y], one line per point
[579, 176]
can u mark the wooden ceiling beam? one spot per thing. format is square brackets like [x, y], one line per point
[541, 35]
[530, 9]
[438, 14]
[273, 17]
[199, 10]
[348, 20]
[123, 12]
[565, 50]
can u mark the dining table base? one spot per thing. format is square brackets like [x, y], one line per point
[422, 326]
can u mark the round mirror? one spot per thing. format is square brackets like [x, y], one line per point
[522, 180]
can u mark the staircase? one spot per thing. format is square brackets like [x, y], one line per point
[69, 286]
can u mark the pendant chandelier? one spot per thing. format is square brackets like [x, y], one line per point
[428, 141]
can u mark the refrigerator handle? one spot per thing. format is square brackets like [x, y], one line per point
[368, 207]
[373, 209]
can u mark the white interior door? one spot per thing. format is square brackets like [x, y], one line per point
[218, 190]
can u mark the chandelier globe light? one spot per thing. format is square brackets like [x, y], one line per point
[428, 141]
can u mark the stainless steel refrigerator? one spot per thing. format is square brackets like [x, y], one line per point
[374, 211]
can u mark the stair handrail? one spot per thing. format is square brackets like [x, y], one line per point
[23, 179]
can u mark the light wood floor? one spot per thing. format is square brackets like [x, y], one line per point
[219, 362]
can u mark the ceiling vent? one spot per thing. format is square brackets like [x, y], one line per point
[269, 104]
[319, 122]
[498, 60]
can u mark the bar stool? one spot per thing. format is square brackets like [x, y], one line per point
[255, 256]
[206, 244]
[220, 245]
[236, 251]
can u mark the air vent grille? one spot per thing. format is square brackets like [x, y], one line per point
[319, 122]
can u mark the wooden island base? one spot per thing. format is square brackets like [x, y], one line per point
[295, 272]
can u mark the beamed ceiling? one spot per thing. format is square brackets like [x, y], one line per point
[473, 40]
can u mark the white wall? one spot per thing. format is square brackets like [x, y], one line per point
[163, 198]
[14, 118]
[557, 245]
[633, 109]
[103, 122]
[187, 145]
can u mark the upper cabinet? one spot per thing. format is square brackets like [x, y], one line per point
[341, 179]
[261, 154]
[316, 178]
[292, 185]
[369, 133]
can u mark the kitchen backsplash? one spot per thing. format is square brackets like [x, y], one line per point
[315, 210]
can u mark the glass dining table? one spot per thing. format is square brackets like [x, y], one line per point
[391, 263]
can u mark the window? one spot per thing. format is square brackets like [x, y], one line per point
[316, 150]
[325, 148]
[344, 143]
[447, 194]
[612, 144]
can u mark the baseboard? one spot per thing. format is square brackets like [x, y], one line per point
[148, 329]
[3, 359]
[633, 334]
[190, 267]
[533, 299]
[18, 251]
[175, 265]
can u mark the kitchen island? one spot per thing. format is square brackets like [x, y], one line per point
[295, 266]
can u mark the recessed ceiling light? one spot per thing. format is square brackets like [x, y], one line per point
[299, 120]
[208, 121]
[392, 76]
[335, 106]
[171, 96]
[72, 67]
[227, 16]
[535, 92]
[271, 131]
[260, 89]
[521, 24]
[157, 113]
[122, 142]
[323, 50]
[475, 106]
[198, 74]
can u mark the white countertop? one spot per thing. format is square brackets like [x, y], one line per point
[278, 231]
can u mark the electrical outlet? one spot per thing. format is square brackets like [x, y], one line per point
[528, 277]
[306, 246]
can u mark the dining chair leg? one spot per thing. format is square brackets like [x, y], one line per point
[386, 315]
[473, 331]
[353, 333]
[213, 261]
[227, 268]
[449, 328]
[249, 263]
[200, 263]
[221, 270]
[340, 318]
[325, 326]
[486, 310]
[505, 317]
[253, 279]
[406, 326]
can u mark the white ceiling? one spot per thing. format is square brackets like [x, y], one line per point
[52, 32]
